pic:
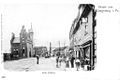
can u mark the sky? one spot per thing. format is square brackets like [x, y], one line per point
[50, 22]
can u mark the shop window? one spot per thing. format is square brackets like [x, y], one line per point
[87, 52]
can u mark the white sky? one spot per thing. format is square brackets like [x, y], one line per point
[51, 22]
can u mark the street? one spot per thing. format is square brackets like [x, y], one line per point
[30, 64]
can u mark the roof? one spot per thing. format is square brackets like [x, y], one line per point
[60, 48]
[40, 48]
[16, 40]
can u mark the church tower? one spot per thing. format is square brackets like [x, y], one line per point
[31, 33]
[30, 42]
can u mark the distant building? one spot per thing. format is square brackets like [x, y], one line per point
[22, 46]
[82, 34]
[26, 42]
[41, 51]
[15, 47]
[59, 51]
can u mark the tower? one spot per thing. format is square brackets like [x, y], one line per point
[50, 49]
[23, 40]
[30, 42]
[31, 33]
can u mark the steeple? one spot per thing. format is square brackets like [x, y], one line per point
[31, 30]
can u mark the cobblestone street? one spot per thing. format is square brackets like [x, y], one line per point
[29, 64]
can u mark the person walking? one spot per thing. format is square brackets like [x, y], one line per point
[67, 62]
[57, 60]
[77, 62]
[37, 57]
[72, 61]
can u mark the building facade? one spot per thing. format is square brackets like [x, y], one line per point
[15, 47]
[82, 35]
[23, 44]
[41, 51]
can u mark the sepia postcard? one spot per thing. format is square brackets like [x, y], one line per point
[59, 40]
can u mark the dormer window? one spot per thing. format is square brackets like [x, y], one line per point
[84, 20]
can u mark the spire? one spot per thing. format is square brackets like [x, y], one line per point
[31, 30]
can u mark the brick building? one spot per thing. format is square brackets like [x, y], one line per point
[15, 47]
[22, 46]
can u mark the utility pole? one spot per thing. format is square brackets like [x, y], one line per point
[59, 47]
[50, 49]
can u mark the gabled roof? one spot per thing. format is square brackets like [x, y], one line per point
[16, 40]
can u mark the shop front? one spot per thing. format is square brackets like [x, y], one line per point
[85, 53]
[88, 52]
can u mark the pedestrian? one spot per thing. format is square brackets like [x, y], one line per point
[82, 64]
[37, 57]
[67, 62]
[60, 60]
[77, 62]
[57, 60]
[72, 61]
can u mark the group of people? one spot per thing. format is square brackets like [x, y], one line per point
[69, 61]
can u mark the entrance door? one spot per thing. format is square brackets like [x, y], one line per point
[23, 53]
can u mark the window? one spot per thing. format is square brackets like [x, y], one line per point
[85, 20]
[14, 50]
[86, 32]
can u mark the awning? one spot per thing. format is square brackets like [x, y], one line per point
[87, 43]
[84, 40]
[81, 46]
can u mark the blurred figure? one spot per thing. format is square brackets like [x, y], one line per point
[60, 60]
[37, 57]
[72, 61]
[77, 62]
[57, 60]
[67, 62]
